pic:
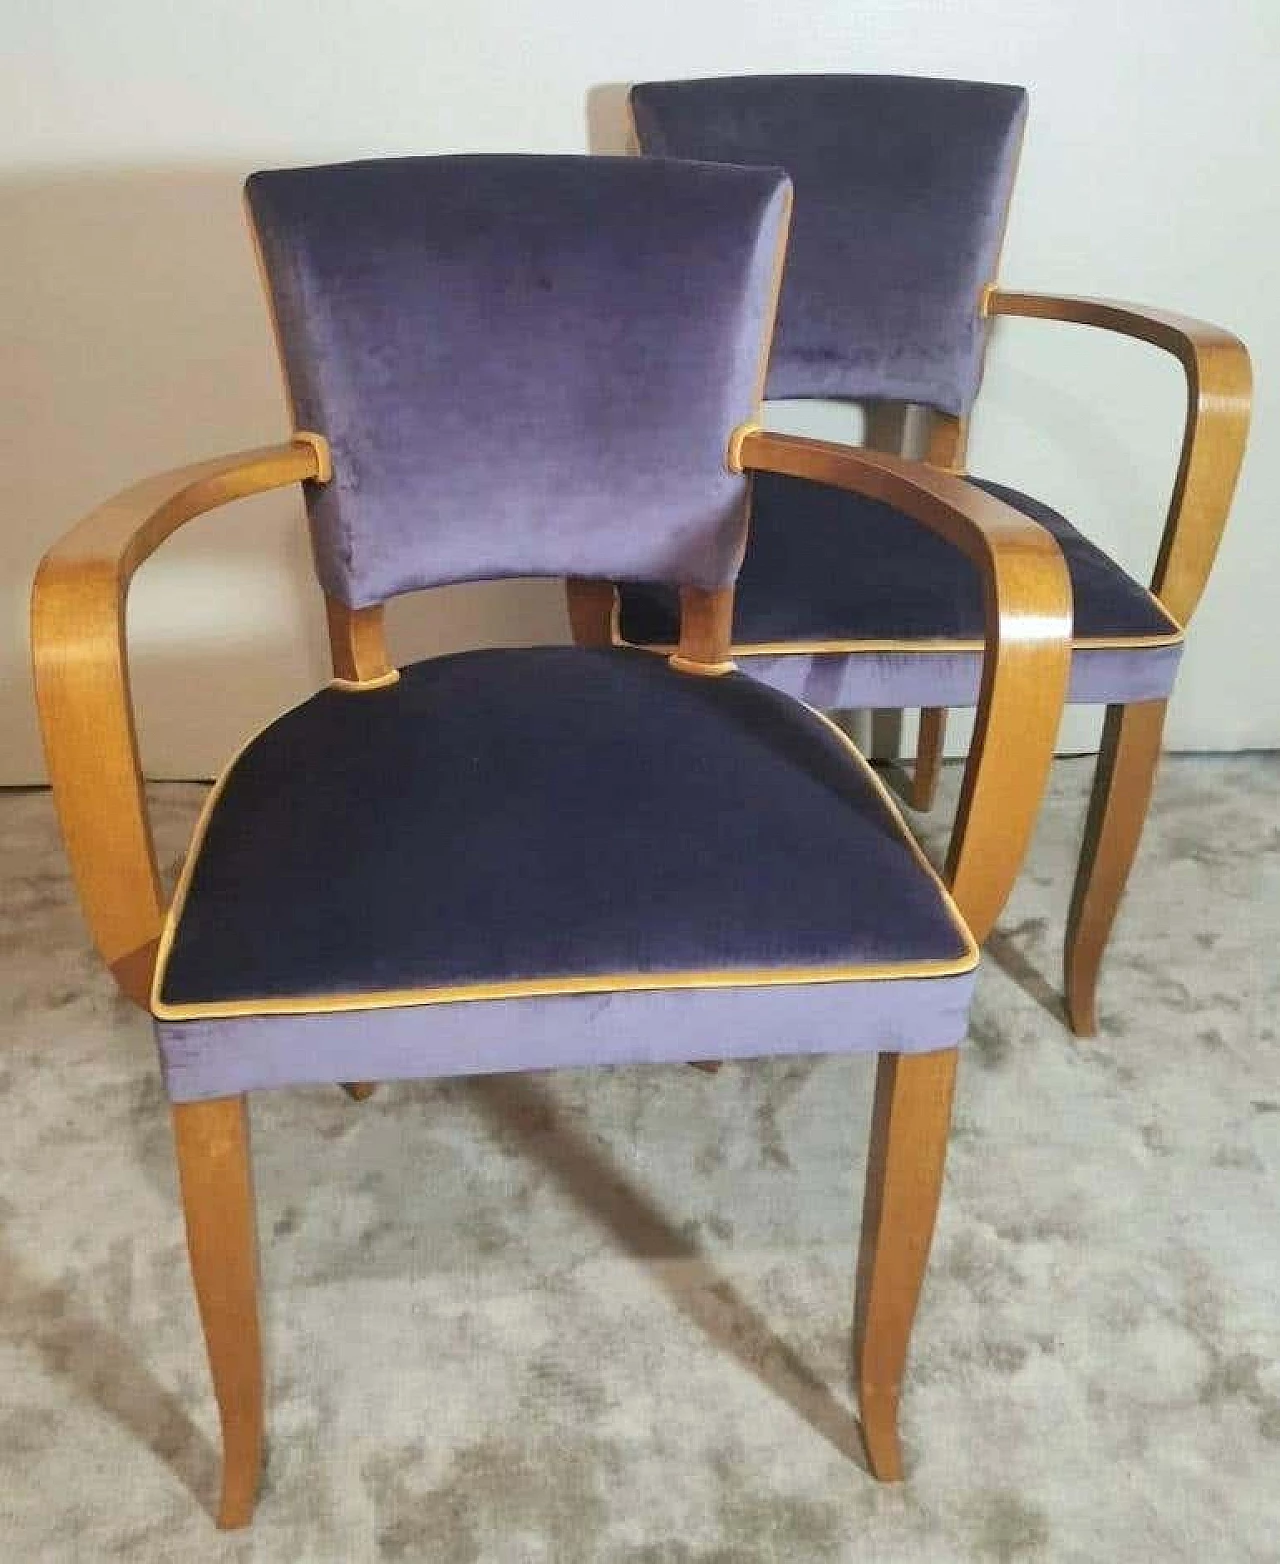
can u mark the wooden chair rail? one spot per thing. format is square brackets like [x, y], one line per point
[1219, 385]
[80, 657]
[358, 642]
[1028, 639]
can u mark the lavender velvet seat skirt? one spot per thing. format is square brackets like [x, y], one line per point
[512, 860]
[902, 189]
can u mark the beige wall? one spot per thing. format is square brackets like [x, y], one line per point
[134, 337]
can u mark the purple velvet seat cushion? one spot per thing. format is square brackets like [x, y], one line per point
[550, 813]
[525, 366]
[902, 185]
[826, 565]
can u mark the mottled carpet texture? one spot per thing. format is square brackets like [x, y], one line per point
[605, 1316]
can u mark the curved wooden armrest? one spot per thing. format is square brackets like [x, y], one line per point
[81, 667]
[1219, 385]
[1028, 648]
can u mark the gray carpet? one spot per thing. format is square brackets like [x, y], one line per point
[604, 1317]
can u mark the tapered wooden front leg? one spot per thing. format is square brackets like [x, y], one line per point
[212, 1141]
[924, 778]
[1117, 812]
[909, 1127]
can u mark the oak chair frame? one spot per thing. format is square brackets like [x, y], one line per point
[82, 686]
[1219, 385]
[1219, 392]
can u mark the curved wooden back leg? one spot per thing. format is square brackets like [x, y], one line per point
[1117, 812]
[909, 1127]
[212, 1144]
[924, 779]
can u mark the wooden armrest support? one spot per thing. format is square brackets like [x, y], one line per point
[1219, 384]
[1028, 648]
[81, 667]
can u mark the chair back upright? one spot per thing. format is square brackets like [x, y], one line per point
[902, 190]
[523, 365]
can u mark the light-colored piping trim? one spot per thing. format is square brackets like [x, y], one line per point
[530, 988]
[699, 670]
[181, 889]
[354, 686]
[935, 646]
[891, 805]
[924, 648]
[551, 988]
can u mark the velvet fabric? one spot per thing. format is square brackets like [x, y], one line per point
[869, 681]
[826, 565]
[217, 1058]
[550, 813]
[902, 185]
[523, 365]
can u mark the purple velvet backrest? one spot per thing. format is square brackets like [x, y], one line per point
[525, 366]
[902, 185]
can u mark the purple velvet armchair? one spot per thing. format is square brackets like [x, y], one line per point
[515, 860]
[902, 190]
